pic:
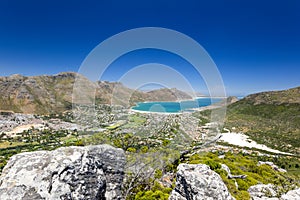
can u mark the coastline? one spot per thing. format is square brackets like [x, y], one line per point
[151, 112]
[178, 101]
[188, 110]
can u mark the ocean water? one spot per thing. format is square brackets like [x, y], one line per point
[174, 107]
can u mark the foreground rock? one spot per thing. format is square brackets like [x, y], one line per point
[263, 192]
[91, 172]
[271, 192]
[292, 195]
[199, 182]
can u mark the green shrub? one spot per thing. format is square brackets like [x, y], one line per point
[144, 149]
[242, 195]
[158, 174]
[166, 142]
[79, 143]
[243, 185]
[131, 149]
[212, 164]
[195, 162]
[157, 192]
[221, 172]
[195, 157]
[150, 195]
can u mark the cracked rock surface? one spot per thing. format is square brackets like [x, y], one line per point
[198, 181]
[90, 172]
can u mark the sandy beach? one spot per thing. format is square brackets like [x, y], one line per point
[151, 112]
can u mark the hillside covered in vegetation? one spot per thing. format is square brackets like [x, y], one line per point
[270, 118]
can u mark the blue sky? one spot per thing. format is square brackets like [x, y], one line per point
[255, 44]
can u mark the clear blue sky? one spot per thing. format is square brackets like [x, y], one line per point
[254, 43]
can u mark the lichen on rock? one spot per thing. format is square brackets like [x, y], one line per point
[91, 172]
[198, 181]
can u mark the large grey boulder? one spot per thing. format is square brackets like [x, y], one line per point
[198, 181]
[91, 172]
[263, 192]
[292, 195]
[270, 192]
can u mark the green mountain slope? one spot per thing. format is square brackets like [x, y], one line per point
[271, 118]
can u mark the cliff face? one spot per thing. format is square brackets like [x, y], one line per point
[91, 172]
[52, 94]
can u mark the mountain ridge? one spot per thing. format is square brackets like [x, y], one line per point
[291, 95]
[53, 93]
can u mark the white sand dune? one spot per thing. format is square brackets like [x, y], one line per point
[243, 140]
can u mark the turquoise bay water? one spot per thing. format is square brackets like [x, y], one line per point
[174, 107]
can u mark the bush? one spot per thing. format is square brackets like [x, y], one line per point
[243, 185]
[79, 143]
[150, 195]
[158, 174]
[221, 172]
[144, 149]
[166, 142]
[195, 162]
[212, 164]
[242, 195]
[157, 192]
[131, 149]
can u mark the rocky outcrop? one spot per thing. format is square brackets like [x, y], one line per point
[271, 192]
[91, 172]
[292, 195]
[198, 181]
[263, 192]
